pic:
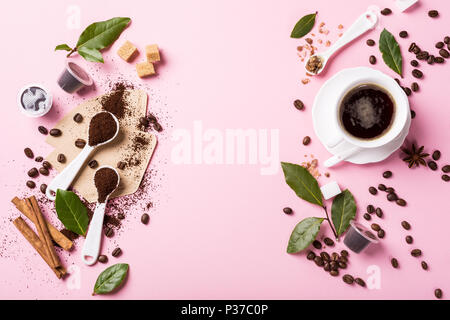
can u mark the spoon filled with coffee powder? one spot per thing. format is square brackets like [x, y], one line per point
[103, 128]
[106, 180]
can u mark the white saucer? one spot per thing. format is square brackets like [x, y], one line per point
[325, 129]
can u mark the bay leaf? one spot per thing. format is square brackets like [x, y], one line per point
[63, 47]
[71, 212]
[304, 234]
[89, 54]
[111, 278]
[343, 210]
[390, 49]
[304, 26]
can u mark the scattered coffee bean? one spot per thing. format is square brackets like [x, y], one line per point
[447, 40]
[43, 130]
[433, 13]
[334, 256]
[403, 34]
[287, 210]
[329, 242]
[306, 140]
[43, 171]
[360, 282]
[375, 227]
[61, 158]
[373, 191]
[33, 172]
[414, 63]
[55, 132]
[439, 60]
[298, 104]
[415, 86]
[30, 184]
[327, 267]
[370, 42]
[325, 256]
[432, 165]
[446, 177]
[370, 208]
[424, 265]
[417, 74]
[411, 47]
[430, 59]
[367, 216]
[343, 259]
[145, 218]
[121, 165]
[382, 187]
[109, 232]
[120, 216]
[381, 234]
[348, 279]
[392, 197]
[116, 252]
[78, 118]
[446, 168]
[439, 45]
[342, 265]
[416, 253]
[409, 239]
[344, 253]
[387, 174]
[319, 261]
[47, 165]
[401, 202]
[407, 91]
[413, 114]
[422, 55]
[436, 155]
[102, 259]
[80, 143]
[316, 244]
[29, 153]
[39, 159]
[386, 11]
[406, 225]
[444, 53]
[379, 212]
[144, 121]
[390, 190]
[416, 50]
[93, 164]
[398, 81]
[43, 188]
[373, 60]
[157, 127]
[394, 263]
[311, 255]
[334, 273]
[438, 293]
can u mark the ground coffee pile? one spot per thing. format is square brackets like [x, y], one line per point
[115, 102]
[105, 180]
[101, 128]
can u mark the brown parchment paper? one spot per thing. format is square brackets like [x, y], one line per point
[109, 154]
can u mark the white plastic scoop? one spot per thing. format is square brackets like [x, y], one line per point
[91, 247]
[65, 178]
[364, 23]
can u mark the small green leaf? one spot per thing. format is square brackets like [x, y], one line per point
[63, 47]
[343, 211]
[390, 49]
[71, 211]
[303, 234]
[111, 278]
[303, 183]
[304, 26]
[92, 55]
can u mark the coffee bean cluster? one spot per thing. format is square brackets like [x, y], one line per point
[35, 172]
[391, 194]
[149, 122]
[432, 164]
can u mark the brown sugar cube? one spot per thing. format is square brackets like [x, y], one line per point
[145, 69]
[152, 53]
[127, 51]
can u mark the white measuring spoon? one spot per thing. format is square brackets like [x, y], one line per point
[65, 178]
[364, 23]
[91, 247]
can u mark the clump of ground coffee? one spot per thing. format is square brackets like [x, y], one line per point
[101, 128]
[115, 102]
[105, 180]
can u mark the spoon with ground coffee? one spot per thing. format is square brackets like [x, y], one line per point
[103, 128]
[106, 180]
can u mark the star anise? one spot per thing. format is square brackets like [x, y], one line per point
[415, 156]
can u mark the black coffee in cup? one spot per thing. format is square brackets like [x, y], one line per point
[367, 111]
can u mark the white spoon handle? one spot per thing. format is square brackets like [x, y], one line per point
[334, 160]
[91, 247]
[365, 22]
[65, 178]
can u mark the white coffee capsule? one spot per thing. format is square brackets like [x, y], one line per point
[330, 190]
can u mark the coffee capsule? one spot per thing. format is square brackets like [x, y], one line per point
[358, 237]
[73, 78]
[34, 100]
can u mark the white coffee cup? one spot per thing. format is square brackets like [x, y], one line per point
[398, 124]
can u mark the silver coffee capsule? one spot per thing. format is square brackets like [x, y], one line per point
[34, 100]
[73, 78]
[358, 237]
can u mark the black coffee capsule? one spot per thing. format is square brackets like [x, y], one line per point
[358, 237]
[73, 78]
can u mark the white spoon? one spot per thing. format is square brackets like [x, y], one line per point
[65, 178]
[364, 23]
[91, 247]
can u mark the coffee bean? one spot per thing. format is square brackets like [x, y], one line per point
[43, 171]
[325, 256]
[348, 279]
[29, 153]
[334, 256]
[329, 242]
[370, 208]
[439, 45]
[287, 210]
[43, 188]
[413, 114]
[403, 34]
[436, 155]
[432, 165]
[157, 127]
[306, 140]
[375, 227]
[424, 265]
[417, 74]
[386, 11]
[379, 212]
[416, 253]
[433, 13]
[116, 252]
[39, 159]
[121, 165]
[372, 60]
[120, 216]
[327, 267]
[382, 187]
[61, 158]
[55, 132]
[411, 47]
[367, 216]
[446, 177]
[444, 53]
[446, 168]
[407, 91]
[344, 253]
[298, 104]
[47, 165]
[439, 60]
[343, 259]
[311, 255]
[342, 265]
[415, 86]
[102, 259]
[409, 239]
[387, 174]
[406, 225]
[360, 282]
[381, 234]
[392, 197]
[93, 164]
[43, 130]
[33, 172]
[416, 50]
[145, 218]
[319, 261]
[430, 59]
[316, 244]
[438, 293]
[390, 190]
[109, 232]
[80, 143]
[414, 63]
[422, 55]
[334, 273]
[447, 40]
[78, 118]
[370, 42]
[397, 80]
[373, 191]
[394, 263]
[144, 121]
[30, 184]
[401, 202]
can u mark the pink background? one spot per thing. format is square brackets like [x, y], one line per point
[218, 231]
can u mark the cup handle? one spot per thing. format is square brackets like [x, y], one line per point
[341, 156]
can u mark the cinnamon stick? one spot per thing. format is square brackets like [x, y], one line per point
[56, 235]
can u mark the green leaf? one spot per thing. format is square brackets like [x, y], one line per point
[303, 234]
[71, 211]
[111, 278]
[304, 26]
[92, 55]
[303, 183]
[100, 35]
[63, 47]
[390, 49]
[343, 211]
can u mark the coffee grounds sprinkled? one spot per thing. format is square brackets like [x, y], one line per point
[101, 128]
[115, 102]
[105, 180]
